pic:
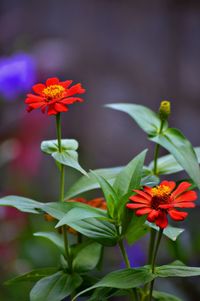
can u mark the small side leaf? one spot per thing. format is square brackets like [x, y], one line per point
[177, 270]
[171, 232]
[51, 146]
[161, 296]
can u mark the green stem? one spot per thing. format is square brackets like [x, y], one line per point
[154, 261]
[151, 245]
[157, 150]
[133, 292]
[62, 191]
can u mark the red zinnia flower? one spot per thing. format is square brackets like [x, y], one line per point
[161, 200]
[54, 95]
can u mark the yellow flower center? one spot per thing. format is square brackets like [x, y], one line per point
[161, 191]
[54, 91]
[160, 195]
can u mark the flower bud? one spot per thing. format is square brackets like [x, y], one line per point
[165, 109]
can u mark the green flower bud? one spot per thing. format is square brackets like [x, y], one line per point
[165, 109]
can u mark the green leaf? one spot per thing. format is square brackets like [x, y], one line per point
[55, 287]
[161, 296]
[87, 257]
[144, 117]
[129, 177]
[51, 146]
[111, 197]
[87, 183]
[177, 270]
[136, 229]
[182, 150]
[104, 293]
[55, 238]
[168, 164]
[34, 275]
[57, 210]
[124, 279]
[81, 212]
[21, 203]
[68, 156]
[99, 230]
[150, 180]
[171, 232]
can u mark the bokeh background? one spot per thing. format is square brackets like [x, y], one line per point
[135, 51]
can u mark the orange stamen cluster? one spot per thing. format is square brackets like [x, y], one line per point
[161, 191]
[54, 91]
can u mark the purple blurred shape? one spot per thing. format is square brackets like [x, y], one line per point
[135, 254]
[17, 75]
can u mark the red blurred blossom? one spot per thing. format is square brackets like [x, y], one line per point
[159, 201]
[54, 96]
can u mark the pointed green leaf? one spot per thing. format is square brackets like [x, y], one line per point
[55, 287]
[21, 203]
[171, 232]
[54, 237]
[112, 199]
[87, 183]
[68, 156]
[150, 180]
[144, 117]
[161, 296]
[177, 270]
[182, 150]
[168, 164]
[87, 257]
[130, 176]
[80, 213]
[124, 279]
[99, 230]
[136, 229]
[51, 146]
[34, 275]
[57, 210]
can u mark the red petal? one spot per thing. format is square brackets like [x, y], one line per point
[180, 189]
[59, 107]
[52, 81]
[135, 206]
[152, 215]
[33, 98]
[148, 190]
[36, 105]
[38, 88]
[76, 89]
[185, 205]
[162, 220]
[186, 196]
[143, 194]
[71, 100]
[177, 215]
[51, 110]
[143, 211]
[66, 83]
[139, 199]
[170, 184]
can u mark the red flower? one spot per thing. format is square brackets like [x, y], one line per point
[161, 200]
[55, 96]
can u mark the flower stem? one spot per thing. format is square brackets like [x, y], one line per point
[62, 191]
[154, 261]
[157, 150]
[133, 292]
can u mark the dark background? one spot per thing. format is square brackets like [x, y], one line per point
[121, 51]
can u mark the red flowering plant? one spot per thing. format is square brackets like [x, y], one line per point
[135, 202]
